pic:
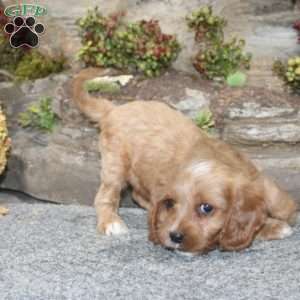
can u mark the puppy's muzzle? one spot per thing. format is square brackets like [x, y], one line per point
[176, 237]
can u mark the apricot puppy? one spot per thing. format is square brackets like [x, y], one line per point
[200, 192]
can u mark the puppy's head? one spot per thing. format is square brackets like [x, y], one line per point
[204, 210]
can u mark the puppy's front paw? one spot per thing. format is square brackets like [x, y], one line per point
[275, 230]
[116, 227]
[3, 211]
[285, 231]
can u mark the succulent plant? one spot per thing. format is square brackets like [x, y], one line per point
[216, 58]
[111, 42]
[289, 72]
[207, 26]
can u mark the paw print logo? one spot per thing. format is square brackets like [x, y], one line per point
[24, 32]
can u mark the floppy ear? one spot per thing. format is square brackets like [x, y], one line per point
[245, 217]
[152, 223]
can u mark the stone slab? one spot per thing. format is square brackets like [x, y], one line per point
[54, 252]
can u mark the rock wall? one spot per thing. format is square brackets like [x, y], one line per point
[64, 166]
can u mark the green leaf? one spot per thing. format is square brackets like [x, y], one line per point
[126, 46]
[238, 79]
[39, 115]
[204, 120]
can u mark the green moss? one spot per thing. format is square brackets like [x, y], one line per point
[39, 115]
[27, 64]
[9, 57]
[100, 86]
[35, 65]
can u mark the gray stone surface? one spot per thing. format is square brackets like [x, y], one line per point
[282, 163]
[193, 102]
[257, 110]
[262, 121]
[50, 170]
[267, 131]
[65, 165]
[54, 252]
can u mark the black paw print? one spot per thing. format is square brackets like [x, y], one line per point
[24, 32]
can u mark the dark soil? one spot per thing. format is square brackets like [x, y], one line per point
[170, 88]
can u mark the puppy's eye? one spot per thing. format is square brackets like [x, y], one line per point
[205, 209]
[169, 203]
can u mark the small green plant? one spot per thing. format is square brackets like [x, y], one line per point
[289, 72]
[35, 65]
[204, 120]
[206, 25]
[221, 60]
[101, 86]
[111, 42]
[216, 58]
[39, 115]
[237, 79]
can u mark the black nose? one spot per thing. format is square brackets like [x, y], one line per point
[176, 237]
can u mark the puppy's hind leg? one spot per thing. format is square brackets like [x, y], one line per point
[108, 197]
[279, 203]
[274, 229]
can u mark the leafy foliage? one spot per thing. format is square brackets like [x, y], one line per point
[111, 42]
[34, 65]
[289, 72]
[39, 115]
[206, 25]
[216, 59]
[204, 120]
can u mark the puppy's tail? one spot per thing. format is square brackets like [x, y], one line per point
[93, 107]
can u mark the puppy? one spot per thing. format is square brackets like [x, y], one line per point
[200, 192]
